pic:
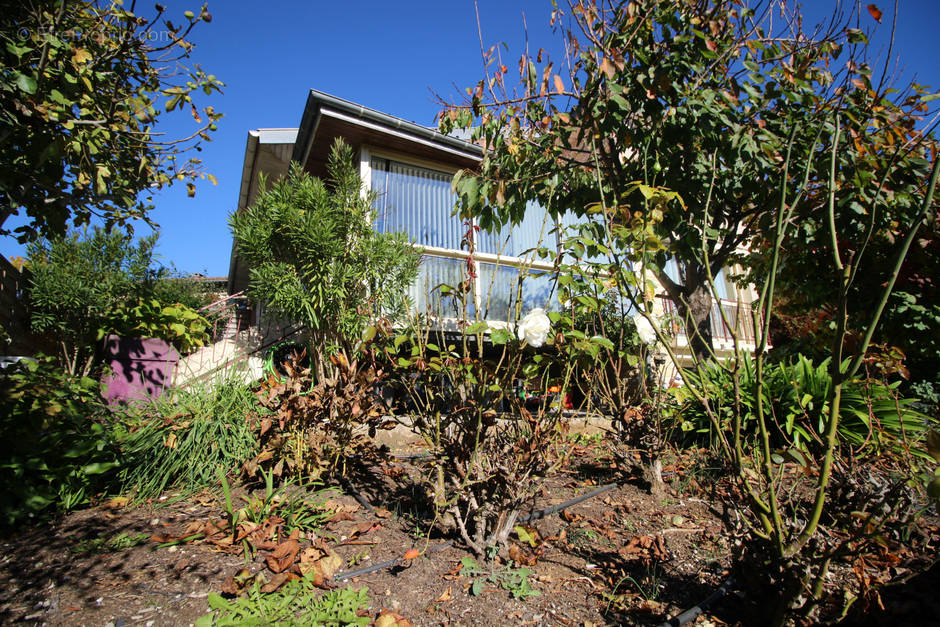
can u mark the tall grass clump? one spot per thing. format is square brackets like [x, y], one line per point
[183, 439]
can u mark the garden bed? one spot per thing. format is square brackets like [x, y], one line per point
[617, 558]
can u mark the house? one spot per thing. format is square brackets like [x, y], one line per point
[410, 167]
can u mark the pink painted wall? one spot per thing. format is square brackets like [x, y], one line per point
[141, 368]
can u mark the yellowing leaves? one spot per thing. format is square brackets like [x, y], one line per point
[101, 173]
[81, 56]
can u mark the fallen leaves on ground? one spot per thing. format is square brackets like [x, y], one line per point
[284, 555]
[388, 618]
[645, 548]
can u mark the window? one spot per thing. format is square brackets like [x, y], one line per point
[426, 294]
[535, 229]
[500, 291]
[417, 201]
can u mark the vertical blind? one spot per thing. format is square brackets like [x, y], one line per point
[536, 229]
[417, 201]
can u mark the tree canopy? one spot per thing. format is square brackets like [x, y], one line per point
[78, 281]
[707, 100]
[82, 89]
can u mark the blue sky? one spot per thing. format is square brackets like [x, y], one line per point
[385, 55]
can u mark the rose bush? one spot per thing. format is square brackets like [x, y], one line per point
[534, 327]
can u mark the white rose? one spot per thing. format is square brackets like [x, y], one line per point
[644, 329]
[534, 327]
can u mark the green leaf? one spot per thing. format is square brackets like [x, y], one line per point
[57, 97]
[173, 102]
[525, 536]
[216, 602]
[26, 83]
[19, 51]
[477, 588]
[603, 341]
[99, 468]
[855, 36]
[501, 336]
[204, 621]
[476, 328]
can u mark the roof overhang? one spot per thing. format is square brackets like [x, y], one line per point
[257, 138]
[327, 117]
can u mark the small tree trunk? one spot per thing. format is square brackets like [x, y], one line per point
[694, 307]
[653, 473]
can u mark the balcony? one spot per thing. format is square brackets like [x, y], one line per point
[738, 315]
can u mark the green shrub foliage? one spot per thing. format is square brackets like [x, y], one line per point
[178, 324]
[77, 282]
[316, 260]
[56, 450]
[873, 416]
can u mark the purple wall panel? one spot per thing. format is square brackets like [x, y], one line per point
[141, 368]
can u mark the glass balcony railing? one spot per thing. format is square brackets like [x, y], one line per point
[739, 317]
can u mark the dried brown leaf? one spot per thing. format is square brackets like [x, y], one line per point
[283, 556]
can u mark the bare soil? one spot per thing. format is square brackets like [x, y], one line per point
[618, 558]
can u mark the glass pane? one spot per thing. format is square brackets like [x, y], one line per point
[500, 291]
[721, 287]
[498, 287]
[417, 201]
[426, 294]
[672, 271]
[512, 241]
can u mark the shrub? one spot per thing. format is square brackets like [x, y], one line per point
[873, 417]
[184, 438]
[178, 324]
[311, 428]
[76, 282]
[175, 287]
[491, 450]
[56, 450]
[604, 295]
[315, 258]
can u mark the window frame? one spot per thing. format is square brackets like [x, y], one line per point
[523, 264]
